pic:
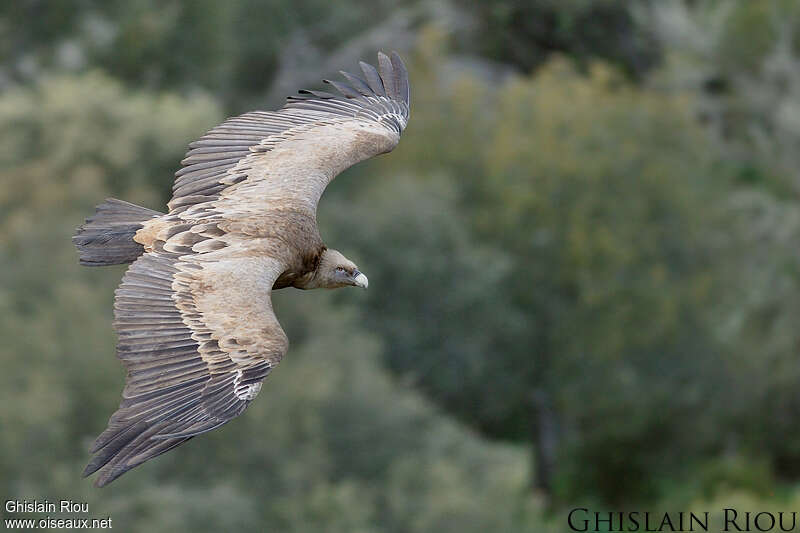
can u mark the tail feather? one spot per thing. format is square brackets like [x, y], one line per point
[107, 237]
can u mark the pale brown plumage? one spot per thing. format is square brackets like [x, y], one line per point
[197, 333]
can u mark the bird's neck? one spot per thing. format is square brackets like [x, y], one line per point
[307, 281]
[311, 277]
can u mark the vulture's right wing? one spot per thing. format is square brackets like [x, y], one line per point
[281, 159]
[197, 338]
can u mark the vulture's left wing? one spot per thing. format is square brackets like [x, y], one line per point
[281, 159]
[197, 338]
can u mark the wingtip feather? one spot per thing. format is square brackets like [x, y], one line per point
[357, 83]
[385, 69]
[343, 88]
[373, 78]
[401, 77]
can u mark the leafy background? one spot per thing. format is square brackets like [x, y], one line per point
[584, 265]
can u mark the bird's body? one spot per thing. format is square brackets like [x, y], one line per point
[197, 332]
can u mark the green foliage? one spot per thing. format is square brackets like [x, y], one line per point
[95, 133]
[230, 49]
[525, 33]
[577, 253]
[740, 60]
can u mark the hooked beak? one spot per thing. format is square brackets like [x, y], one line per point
[360, 280]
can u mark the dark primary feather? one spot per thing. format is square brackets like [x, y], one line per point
[385, 69]
[401, 79]
[343, 88]
[373, 78]
[357, 83]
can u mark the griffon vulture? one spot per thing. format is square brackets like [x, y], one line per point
[197, 333]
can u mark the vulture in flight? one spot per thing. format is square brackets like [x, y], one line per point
[196, 329]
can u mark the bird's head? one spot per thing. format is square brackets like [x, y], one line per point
[335, 270]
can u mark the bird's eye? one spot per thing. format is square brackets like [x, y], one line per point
[339, 269]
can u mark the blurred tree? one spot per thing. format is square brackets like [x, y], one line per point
[615, 188]
[230, 49]
[762, 306]
[525, 33]
[561, 288]
[740, 59]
